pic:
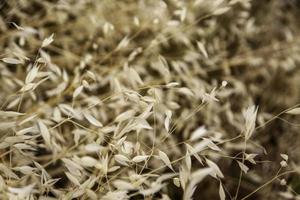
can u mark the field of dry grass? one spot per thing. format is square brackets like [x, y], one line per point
[149, 99]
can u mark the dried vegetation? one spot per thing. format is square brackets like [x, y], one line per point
[162, 99]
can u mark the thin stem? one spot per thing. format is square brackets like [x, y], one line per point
[241, 171]
[267, 183]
